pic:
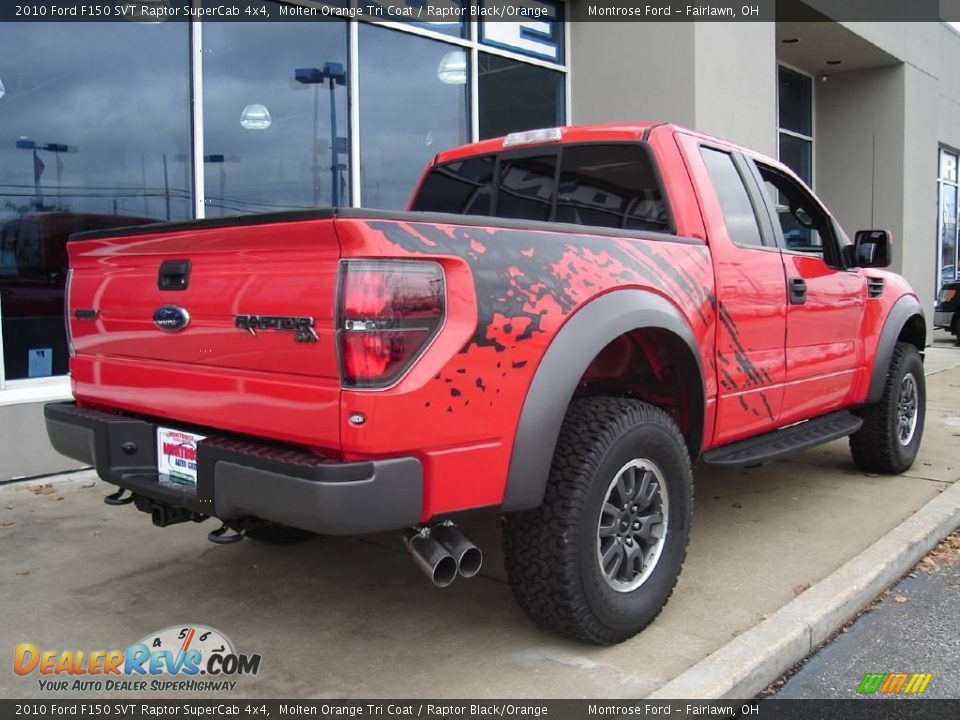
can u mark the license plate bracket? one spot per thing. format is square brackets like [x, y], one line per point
[177, 456]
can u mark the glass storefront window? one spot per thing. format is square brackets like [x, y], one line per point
[797, 154]
[795, 122]
[541, 36]
[947, 218]
[94, 133]
[413, 104]
[516, 96]
[795, 99]
[454, 9]
[275, 115]
[97, 129]
[948, 232]
[948, 166]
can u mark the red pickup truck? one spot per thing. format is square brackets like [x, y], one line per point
[561, 324]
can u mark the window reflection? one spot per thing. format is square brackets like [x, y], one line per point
[94, 133]
[275, 116]
[515, 96]
[409, 111]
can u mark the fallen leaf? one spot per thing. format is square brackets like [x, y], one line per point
[899, 598]
[44, 489]
[9, 507]
[8, 523]
[737, 505]
[800, 588]
[59, 498]
[89, 485]
[23, 572]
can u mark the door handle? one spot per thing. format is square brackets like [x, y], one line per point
[174, 275]
[798, 291]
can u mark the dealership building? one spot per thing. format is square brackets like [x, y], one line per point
[119, 123]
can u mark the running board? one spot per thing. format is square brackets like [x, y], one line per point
[786, 441]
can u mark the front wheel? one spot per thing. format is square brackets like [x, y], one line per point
[599, 558]
[892, 428]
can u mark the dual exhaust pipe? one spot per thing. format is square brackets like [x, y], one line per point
[443, 552]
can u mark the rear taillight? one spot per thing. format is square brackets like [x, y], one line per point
[67, 312]
[388, 312]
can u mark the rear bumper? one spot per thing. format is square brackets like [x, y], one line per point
[237, 478]
[942, 318]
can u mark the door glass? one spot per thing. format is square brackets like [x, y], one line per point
[738, 215]
[805, 225]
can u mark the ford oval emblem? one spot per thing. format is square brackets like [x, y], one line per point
[171, 318]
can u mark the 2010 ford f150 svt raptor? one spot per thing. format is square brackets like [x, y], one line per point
[562, 322]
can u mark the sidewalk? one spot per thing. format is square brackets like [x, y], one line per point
[345, 617]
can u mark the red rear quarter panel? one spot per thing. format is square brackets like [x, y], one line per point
[458, 409]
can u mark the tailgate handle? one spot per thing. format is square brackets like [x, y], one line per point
[174, 275]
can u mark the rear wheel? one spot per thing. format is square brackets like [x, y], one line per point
[599, 558]
[892, 428]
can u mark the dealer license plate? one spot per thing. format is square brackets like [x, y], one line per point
[177, 455]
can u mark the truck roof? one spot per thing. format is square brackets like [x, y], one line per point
[600, 132]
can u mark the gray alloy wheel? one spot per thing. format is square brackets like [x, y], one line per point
[633, 525]
[907, 405]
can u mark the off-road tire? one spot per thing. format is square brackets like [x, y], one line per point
[876, 446]
[275, 534]
[551, 552]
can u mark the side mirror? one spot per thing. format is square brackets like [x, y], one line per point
[873, 248]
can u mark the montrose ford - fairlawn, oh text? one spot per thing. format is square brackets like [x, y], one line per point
[662, 11]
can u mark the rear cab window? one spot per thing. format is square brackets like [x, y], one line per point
[609, 185]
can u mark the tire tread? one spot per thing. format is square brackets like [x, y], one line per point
[541, 545]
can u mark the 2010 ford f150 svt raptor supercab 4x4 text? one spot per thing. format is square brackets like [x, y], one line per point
[562, 322]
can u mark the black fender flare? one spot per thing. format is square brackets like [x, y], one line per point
[903, 309]
[575, 346]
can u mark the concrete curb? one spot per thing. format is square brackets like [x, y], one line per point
[749, 663]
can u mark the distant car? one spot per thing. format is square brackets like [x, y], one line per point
[946, 315]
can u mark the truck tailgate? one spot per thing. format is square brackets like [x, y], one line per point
[257, 352]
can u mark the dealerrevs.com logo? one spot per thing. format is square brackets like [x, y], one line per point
[187, 658]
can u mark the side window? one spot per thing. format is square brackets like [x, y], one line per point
[805, 225]
[738, 214]
[610, 186]
[526, 187]
[463, 187]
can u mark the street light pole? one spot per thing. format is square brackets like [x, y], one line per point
[38, 166]
[335, 74]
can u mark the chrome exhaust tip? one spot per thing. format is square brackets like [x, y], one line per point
[434, 559]
[468, 556]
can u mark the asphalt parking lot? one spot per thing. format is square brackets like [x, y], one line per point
[353, 617]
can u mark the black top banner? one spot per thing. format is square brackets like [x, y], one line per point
[446, 11]
[127, 709]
